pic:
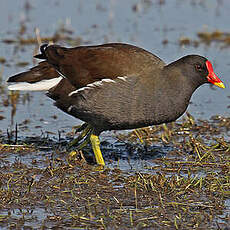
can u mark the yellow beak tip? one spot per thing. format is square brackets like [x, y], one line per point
[220, 84]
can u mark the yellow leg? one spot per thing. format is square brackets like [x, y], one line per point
[96, 149]
[81, 136]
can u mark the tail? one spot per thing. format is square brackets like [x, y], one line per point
[39, 78]
[44, 76]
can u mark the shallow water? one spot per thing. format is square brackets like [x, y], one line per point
[145, 23]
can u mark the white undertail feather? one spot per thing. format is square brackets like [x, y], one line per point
[43, 85]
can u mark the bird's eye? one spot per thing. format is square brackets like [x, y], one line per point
[198, 67]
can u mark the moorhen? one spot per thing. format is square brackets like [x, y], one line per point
[115, 86]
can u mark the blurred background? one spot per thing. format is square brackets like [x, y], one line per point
[168, 28]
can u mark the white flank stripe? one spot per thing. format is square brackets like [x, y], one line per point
[38, 86]
[78, 90]
[75, 91]
[122, 78]
[92, 85]
[96, 83]
[107, 80]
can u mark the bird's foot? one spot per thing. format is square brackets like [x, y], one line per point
[85, 130]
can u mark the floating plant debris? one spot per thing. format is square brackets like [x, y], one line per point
[207, 38]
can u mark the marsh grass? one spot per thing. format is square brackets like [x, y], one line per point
[188, 188]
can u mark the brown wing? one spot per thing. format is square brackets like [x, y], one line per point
[61, 90]
[87, 64]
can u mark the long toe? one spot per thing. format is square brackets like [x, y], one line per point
[88, 129]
